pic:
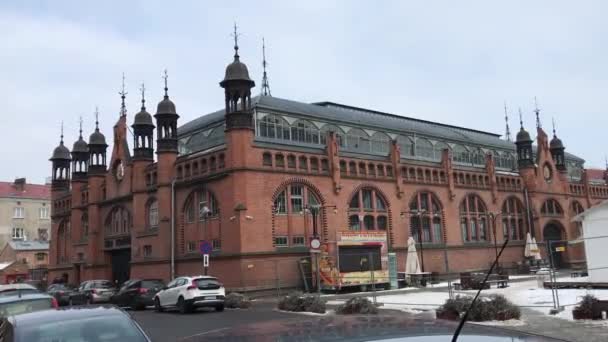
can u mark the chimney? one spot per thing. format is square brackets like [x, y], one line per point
[19, 184]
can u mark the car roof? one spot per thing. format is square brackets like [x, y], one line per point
[17, 286]
[23, 296]
[67, 314]
[200, 277]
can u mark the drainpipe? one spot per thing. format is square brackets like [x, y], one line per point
[173, 229]
[529, 212]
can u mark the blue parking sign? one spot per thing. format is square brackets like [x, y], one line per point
[205, 247]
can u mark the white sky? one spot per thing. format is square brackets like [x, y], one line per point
[446, 61]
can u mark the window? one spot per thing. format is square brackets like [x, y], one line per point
[331, 128]
[425, 218]
[291, 161]
[296, 195]
[191, 247]
[118, 222]
[380, 143]
[18, 233]
[280, 204]
[367, 206]
[357, 140]
[153, 215]
[297, 241]
[279, 160]
[424, 148]
[303, 163]
[19, 212]
[216, 244]
[40, 256]
[297, 198]
[147, 251]
[43, 234]
[314, 164]
[473, 211]
[272, 126]
[551, 208]
[280, 241]
[305, 132]
[513, 225]
[406, 146]
[204, 203]
[44, 213]
[267, 159]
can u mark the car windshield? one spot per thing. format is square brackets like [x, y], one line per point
[99, 329]
[150, 284]
[102, 284]
[14, 292]
[206, 283]
[25, 306]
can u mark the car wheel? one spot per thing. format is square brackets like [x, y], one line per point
[219, 308]
[157, 306]
[182, 306]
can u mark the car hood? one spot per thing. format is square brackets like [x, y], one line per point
[363, 328]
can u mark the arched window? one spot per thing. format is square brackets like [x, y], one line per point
[513, 222]
[577, 208]
[357, 140]
[63, 237]
[380, 143]
[304, 131]
[153, 214]
[118, 222]
[406, 146]
[201, 204]
[267, 159]
[424, 148]
[551, 208]
[84, 226]
[438, 150]
[331, 128]
[425, 218]
[294, 198]
[369, 208]
[461, 154]
[473, 219]
[273, 126]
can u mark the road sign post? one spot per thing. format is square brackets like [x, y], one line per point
[205, 248]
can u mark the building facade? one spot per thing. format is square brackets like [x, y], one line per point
[25, 211]
[256, 178]
[31, 255]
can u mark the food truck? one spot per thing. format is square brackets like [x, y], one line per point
[354, 259]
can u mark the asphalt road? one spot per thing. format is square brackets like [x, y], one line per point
[171, 326]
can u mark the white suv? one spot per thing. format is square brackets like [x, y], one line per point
[188, 293]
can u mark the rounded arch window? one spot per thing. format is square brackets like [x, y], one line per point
[513, 222]
[425, 218]
[380, 143]
[304, 131]
[473, 219]
[294, 198]
[368, 210]
[357, 140]
[577, 208]
[332, 128]
[201, 204]
[273, 126]
[551, 208]
[153, 214]
[118, 222]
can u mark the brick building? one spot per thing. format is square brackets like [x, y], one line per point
[248, 178]
[32, 255]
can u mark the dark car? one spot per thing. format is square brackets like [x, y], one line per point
[91, 323]
[24, 303]
[137, 293]
[61, 292]
[92, 291]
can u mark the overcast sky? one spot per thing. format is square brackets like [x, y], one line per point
[446, 61]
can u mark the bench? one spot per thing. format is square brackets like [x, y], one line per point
[500, 283]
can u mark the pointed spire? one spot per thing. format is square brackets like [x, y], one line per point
[507, 129]
[553, 122]
[236, 43]
[123, 93]
[265, 83]
[61, 140]
[521, 119]
[537, 111]
[96, 119]
[80, 130]
[166, 77]
[143, 96]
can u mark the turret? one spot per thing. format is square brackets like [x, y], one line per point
[80, 157]
[97, 150]
[166, 123]
[557, 151]
[61, 166]
[143, 132]
[524, 146]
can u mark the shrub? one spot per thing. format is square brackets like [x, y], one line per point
[357, 305]
[236, 300]
[494, 307]
[584, 310]
[298, 302]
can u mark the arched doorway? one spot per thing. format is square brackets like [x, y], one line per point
[552, 233]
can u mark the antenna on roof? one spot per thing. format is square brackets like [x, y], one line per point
[236, 42]
[507, 129]
[537, 111]
[143, 96]
[265, 83]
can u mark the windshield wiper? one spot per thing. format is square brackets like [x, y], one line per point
[481, 287]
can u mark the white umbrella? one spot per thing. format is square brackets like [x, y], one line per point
[412, 265]
[528, 248]
[534, 249]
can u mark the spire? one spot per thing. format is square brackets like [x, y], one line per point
[80, 130]
[236, 43]
[123, 93]
[521, 120]
[265, 83]
[507, 129]
[143, 97]
[537, 111]
[61, 140]
[165, 77]
[553, 122]
[96, 119]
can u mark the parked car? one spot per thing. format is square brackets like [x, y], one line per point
[13, 289]
[137, 293]
[61, 292]
[92, 291]
[23, 303]
[91, 323]
[188, 293]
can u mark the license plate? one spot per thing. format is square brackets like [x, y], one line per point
[210, 297]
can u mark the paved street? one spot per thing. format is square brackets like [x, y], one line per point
[171, 326]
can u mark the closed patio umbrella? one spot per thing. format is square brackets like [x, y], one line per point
[528, 248]
[412, 265]
[535, 250]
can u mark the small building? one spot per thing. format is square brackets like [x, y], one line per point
[33, 256]
[595, 234]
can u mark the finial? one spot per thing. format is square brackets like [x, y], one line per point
[508, 130]
[123, 93]
[143, 96]
[165, 77]
[80, 127]
[537, 111]
[553, 122]
[265, 83]
[521, 119]
[96, 118]
[61, 141]
[236, 42]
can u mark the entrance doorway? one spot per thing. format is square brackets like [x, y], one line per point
[554, 232]
[121, 265]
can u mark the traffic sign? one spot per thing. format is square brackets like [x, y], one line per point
[560, 249]
[315, 243]
[205, 260]
[205, 247]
